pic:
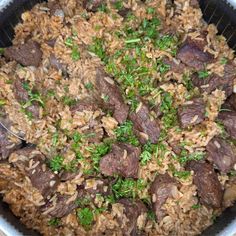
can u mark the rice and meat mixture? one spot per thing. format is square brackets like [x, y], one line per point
[127, 112]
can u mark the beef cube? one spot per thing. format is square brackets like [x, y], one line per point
[145, 126]
[93, 5]
[191, 113]
[56, 64]
[193, 55]
[56, 9]
[174, 66]
[68, 175]
[28, 54]
[42, 178]
[114, 100]
[122, 160]
[222, 154]
[230, 103]
[214, 82]
[228, 118]
[124, 12]
[22, 96]
[84, 105]
[162, 188]
[132, 210]
[194, 3]
[51, 42]
[93, 186]
[60, 205]
[208, 186]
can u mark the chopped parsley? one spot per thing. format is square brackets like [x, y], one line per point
[203, 74]
[82, 202]
[165, 42]
[34, 96]
[97, 152]
[182, 174]
[2, 102]
[85, 217]
[124, 133]
[195, 156]
[196, 206]
[169, 112]
[118, 5]
[54, 222]
[162, 67]
[77, 137]
[68, 101]
[75, 53]
[223, 61]
[147, 151]
[56, 163]
[127, 188]
[89, 86]
[99, 49]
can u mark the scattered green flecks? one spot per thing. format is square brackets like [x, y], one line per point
[223, 61]
[2, 51]
[103, 8]
[54, 222]
[2, 102]
[56, 163]
[118, 5]
[166, 42]
[34, 96]
[195, 156]
[99, 49]
[196, 206]
[75, 53]
[132, 41]
[203, 74]
[127, 188]
[83, 202]
[169, 112]
[66, 100]
[89, 86]
[147, 151]
[162, 67]
[85, 217]
[124, 133]
[97, 152]
[182, 174]
[105, 98]
[151, 10]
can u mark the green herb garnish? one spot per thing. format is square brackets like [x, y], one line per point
[203, 74]
[124, 133]
[55, 139]
[56, 163]
[182, 174]
[85, 217]
[54, 222]
[196, 206]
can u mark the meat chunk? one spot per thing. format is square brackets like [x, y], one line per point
[192, 54]
[230, 103]
[114, 100]
[56, 64]
[122, 160]
[93, 5]
[22, 96]
[162, 188]
[222, 154]
[93, 186]
[194, 3]
[214, 82]
[28, 54]
[132, 211]
[191, 113]
[84, 105]
[175, 66]
[60, 205]
[41, 176]
[67, 175]
[145, 126]
[56, 9]
[228, 118]
[208, 186]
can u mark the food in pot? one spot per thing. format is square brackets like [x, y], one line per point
[117, 118]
